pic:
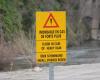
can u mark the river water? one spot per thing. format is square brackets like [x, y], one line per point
[89, 52]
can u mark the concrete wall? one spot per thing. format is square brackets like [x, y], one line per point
[91, 8]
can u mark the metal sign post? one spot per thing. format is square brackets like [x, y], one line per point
[51, 71]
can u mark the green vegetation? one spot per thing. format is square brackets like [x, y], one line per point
[11, 18]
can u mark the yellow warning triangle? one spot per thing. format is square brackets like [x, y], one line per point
[51, 22]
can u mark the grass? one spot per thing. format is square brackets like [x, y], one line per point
[20, 46]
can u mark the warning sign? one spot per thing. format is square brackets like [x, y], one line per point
[51, 22]
[51, 37]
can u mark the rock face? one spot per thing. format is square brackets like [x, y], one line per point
[91, 9]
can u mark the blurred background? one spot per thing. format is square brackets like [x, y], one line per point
[17, 31]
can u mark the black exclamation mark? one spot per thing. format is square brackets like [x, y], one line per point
[51, 21]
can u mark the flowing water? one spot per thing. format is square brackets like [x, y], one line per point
[87, 53]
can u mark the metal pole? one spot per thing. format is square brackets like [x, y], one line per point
[51, 71]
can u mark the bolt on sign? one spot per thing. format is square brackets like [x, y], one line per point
[51, 36]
